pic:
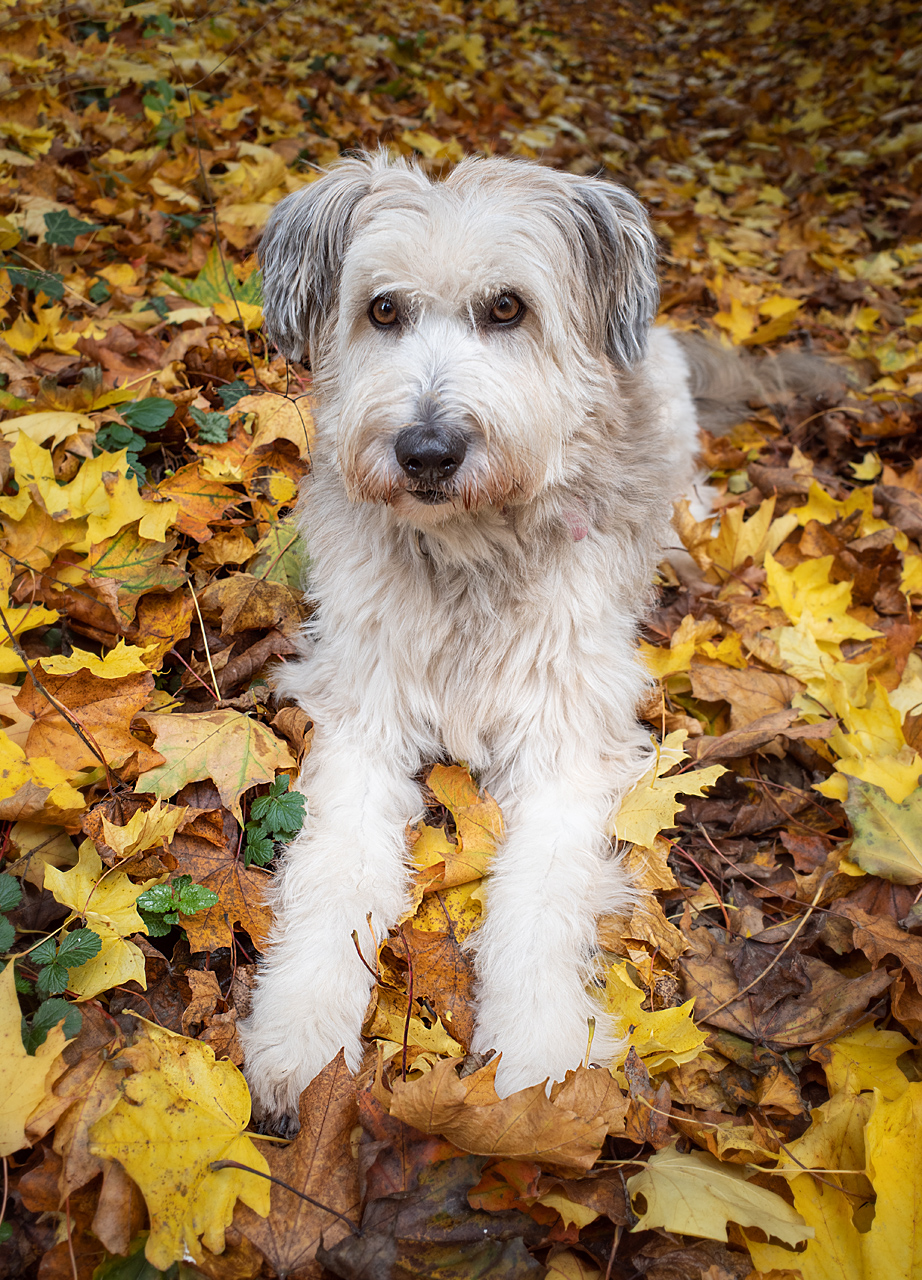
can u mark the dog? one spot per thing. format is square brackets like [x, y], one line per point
[501, 433]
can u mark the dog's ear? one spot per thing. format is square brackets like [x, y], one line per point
[302, 252]
[620, 257]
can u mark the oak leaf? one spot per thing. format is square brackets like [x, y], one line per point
[179, 1112]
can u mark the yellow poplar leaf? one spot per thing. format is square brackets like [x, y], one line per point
[663, 1039]
[103, 898]
[697, 1195]
[739, 539]
[144, 829]
[571, 1266]
[806, 591]
[864, 1059]
[892, 1246]
[25, 1081]
[123, 660]
[53, 425]
[180, 1111]
[390, 1023]
[9, 235]
[651, 805]
[835, 1140]
[116, 962]
[907, 696]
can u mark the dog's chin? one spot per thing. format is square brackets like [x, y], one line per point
[425, 508]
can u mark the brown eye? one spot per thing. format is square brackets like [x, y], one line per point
[382, 312]
[506, 309]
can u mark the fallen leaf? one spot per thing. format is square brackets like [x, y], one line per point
[651, 805]
[180, 1111]
[697, 1195]
[235, 750]
[317, 1165]
[888, 836]
[25, 1081]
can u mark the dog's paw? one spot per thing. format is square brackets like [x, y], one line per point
[279, 1067]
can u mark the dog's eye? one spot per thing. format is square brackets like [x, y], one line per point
[507, 309]
[382, 312]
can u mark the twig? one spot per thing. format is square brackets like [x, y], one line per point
[6, 1188]
[195, 675]
[217, 1165]
[406, 1025]
[686, 854]
[706, 1017]
[70, 1239]
[214, 678]
[616, 1240]
[355, 943]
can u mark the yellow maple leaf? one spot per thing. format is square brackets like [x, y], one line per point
[663, 1039]
[739, 540]
[144, 829]
[52, 425]
[248, 312]
[106, 900]
[864, 1059]
[651, 805]
[25, 1081]
[123, 660]
[34, 783]
[823, 508]
[26, 336]
[864, 1132]
[698, 1195]
[911, 579]
[181, 1111]
[806, 592]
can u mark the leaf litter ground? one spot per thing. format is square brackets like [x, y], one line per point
[766, 1117]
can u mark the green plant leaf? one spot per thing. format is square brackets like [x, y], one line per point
[281, 812]
[62, 227]
[78, 946]
[45, 953]
[50, 283]
[48, 1015]
[150, 414]
[195, 897]
[7, 934]
[259, 849]
[233, 392]
[51, 980]
[157, 899]
[213, 428]
[10, 893]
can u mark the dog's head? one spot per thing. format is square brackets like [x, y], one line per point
[459, 331]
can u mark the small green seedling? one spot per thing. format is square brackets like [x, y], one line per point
[161, 906]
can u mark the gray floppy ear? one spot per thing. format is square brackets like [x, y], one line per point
[302, 252]
[620, 257]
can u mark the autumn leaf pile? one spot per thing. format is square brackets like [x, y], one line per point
[766, 1117]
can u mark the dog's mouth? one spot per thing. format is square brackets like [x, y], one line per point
[430, 497]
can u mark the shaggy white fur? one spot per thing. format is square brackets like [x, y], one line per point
[500, 438]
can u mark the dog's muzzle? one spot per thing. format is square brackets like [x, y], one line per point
[429, 456]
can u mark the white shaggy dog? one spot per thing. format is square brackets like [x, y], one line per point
[500, 438]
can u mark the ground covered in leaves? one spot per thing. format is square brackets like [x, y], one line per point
[767, 1117]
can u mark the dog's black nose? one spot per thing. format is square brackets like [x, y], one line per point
[430, 454]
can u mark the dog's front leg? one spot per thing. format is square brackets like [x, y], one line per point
[349, 862]
[552, 878]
